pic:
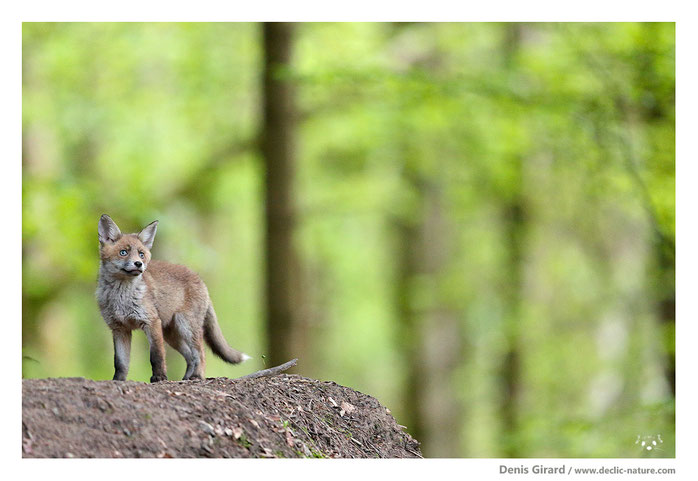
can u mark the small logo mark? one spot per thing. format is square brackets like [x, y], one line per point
[649, 443]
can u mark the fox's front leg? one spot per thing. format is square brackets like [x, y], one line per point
[122, 353]
[153, 331]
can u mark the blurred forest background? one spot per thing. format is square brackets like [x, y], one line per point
[472, 222]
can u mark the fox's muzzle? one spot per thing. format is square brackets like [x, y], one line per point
[133, 272]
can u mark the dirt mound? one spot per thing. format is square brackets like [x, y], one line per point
[284, 416]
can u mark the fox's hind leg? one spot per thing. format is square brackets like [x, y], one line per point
[173, 339]
[184, 339]
[202, 356]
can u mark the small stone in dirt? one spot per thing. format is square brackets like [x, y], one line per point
[346, 408]
[207, 428]
[267, 453]
[27, 446]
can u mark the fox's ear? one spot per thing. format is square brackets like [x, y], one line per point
[147, 235]
[107, 230]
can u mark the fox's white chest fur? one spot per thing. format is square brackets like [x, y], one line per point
[121, 301]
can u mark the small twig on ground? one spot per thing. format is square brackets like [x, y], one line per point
[271, 371]
[411, 451]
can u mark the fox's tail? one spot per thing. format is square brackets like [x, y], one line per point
[214, 338]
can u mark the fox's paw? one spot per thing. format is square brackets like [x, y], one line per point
[158, 377]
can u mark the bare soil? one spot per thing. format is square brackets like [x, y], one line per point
[282, 416]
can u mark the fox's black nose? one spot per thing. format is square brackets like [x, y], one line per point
[138, 263]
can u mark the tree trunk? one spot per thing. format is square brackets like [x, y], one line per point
[430, 332]
[664, 242]
[666, 306]
[430, 337]
[408, 338]
[440, 336]
[282, 286]
[514, 214]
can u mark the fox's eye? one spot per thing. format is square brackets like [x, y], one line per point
[142, 255]
[123, 252]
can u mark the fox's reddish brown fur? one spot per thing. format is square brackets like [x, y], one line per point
[167, 301]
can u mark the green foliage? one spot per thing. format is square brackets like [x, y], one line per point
[146, 121]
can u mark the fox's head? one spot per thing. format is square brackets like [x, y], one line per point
[124, 255]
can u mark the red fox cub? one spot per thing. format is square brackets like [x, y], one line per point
[169, 302]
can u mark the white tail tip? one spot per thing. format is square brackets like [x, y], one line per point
[245, 357]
